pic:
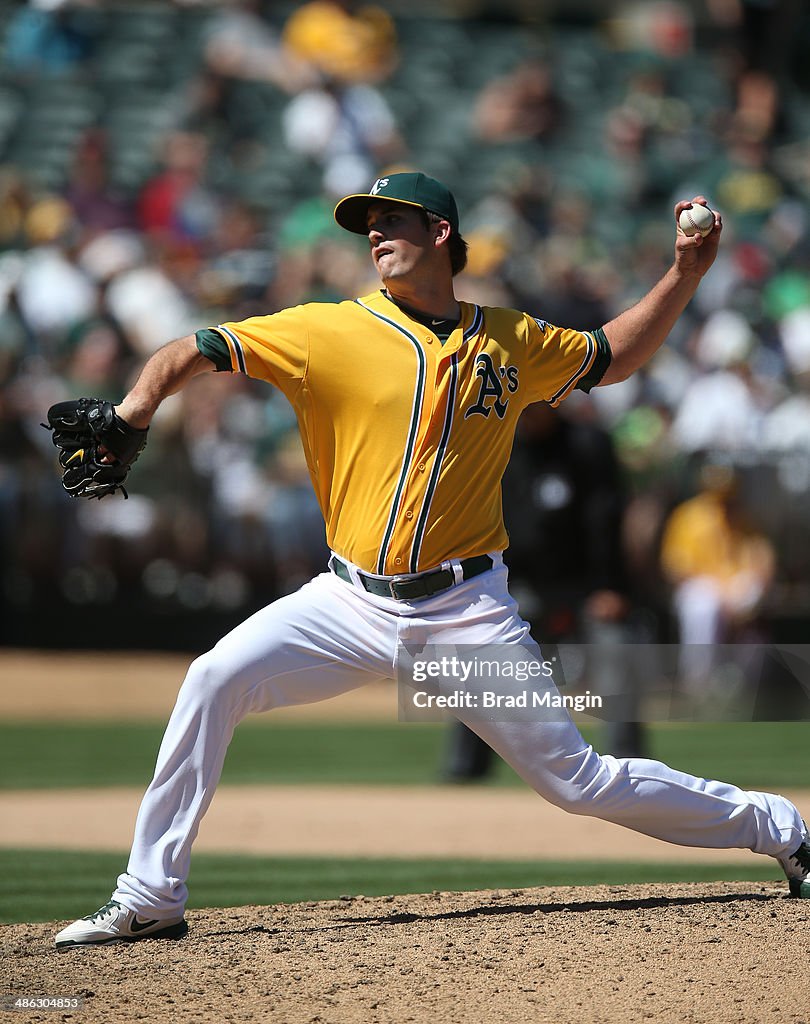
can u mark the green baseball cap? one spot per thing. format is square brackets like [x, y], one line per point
[411, 188]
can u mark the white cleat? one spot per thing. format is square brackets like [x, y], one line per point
[114, 923]
[797, 868]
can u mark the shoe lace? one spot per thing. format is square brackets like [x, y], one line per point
[103, 911]
[802, 856]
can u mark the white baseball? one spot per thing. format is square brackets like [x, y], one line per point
[696, 219]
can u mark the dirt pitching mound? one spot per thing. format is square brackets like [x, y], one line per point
[732, 952]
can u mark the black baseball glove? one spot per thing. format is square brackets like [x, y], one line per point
[85, 431]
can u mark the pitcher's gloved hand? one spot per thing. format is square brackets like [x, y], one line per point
[96, 447]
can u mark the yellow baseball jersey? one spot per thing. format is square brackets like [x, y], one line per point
[407, 439]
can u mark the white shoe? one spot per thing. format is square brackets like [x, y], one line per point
[114, 923]
[797, 868]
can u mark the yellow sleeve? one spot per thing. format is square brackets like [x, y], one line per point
[306, 28]
[274, 348]
[561, 359]
[678, 546]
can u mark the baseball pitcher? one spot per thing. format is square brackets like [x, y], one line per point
[407, 402]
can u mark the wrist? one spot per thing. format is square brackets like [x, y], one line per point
[684, 276]
[134, 413]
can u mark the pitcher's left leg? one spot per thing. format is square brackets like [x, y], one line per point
[547, 750]
[641, 794]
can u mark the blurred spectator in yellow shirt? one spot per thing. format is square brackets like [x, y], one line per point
[343, 40]
[720, 567]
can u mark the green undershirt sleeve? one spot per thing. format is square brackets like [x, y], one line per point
[213, 346]
[600, 363]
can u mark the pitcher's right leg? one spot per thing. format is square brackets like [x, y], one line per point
[308, 646]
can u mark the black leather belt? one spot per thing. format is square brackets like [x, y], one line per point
[426, 584]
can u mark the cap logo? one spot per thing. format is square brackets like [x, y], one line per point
[378, 184]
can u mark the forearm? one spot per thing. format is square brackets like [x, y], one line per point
[637, 333]
[165, 373]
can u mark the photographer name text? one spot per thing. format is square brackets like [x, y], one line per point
[489, 699]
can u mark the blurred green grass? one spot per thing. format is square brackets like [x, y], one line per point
[52, 885]
[51, 755]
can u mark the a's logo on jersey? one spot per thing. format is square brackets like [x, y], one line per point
[493, 385]
[378, 184]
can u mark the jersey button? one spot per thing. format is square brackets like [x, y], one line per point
[429, 340]
[397, 561]
[409, 514]
[421, 467]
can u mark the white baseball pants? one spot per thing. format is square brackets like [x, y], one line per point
[332, 636]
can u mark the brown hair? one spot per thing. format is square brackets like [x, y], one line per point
[456, 246]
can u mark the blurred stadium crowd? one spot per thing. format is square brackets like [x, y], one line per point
[167, 166]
